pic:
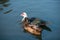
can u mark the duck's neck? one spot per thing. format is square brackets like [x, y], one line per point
[24, 18]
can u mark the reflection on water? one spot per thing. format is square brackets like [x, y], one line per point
[1, 9]
[3, 1]
[3, 4]
[8, 11]
[6, 5]
[39, 37]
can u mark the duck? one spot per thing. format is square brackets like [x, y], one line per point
[33, 25]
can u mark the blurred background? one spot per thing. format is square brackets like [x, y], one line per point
[10, 11]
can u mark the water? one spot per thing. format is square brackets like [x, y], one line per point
[48, 10]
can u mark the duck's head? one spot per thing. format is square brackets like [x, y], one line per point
[24, 14]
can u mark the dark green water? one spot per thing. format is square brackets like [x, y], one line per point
[48, 10]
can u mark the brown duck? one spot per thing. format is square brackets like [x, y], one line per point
[33, 25]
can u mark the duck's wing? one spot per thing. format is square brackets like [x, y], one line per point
[44, 27]
[32, 19]
[40, 23]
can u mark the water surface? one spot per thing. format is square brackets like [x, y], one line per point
[48, 10]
